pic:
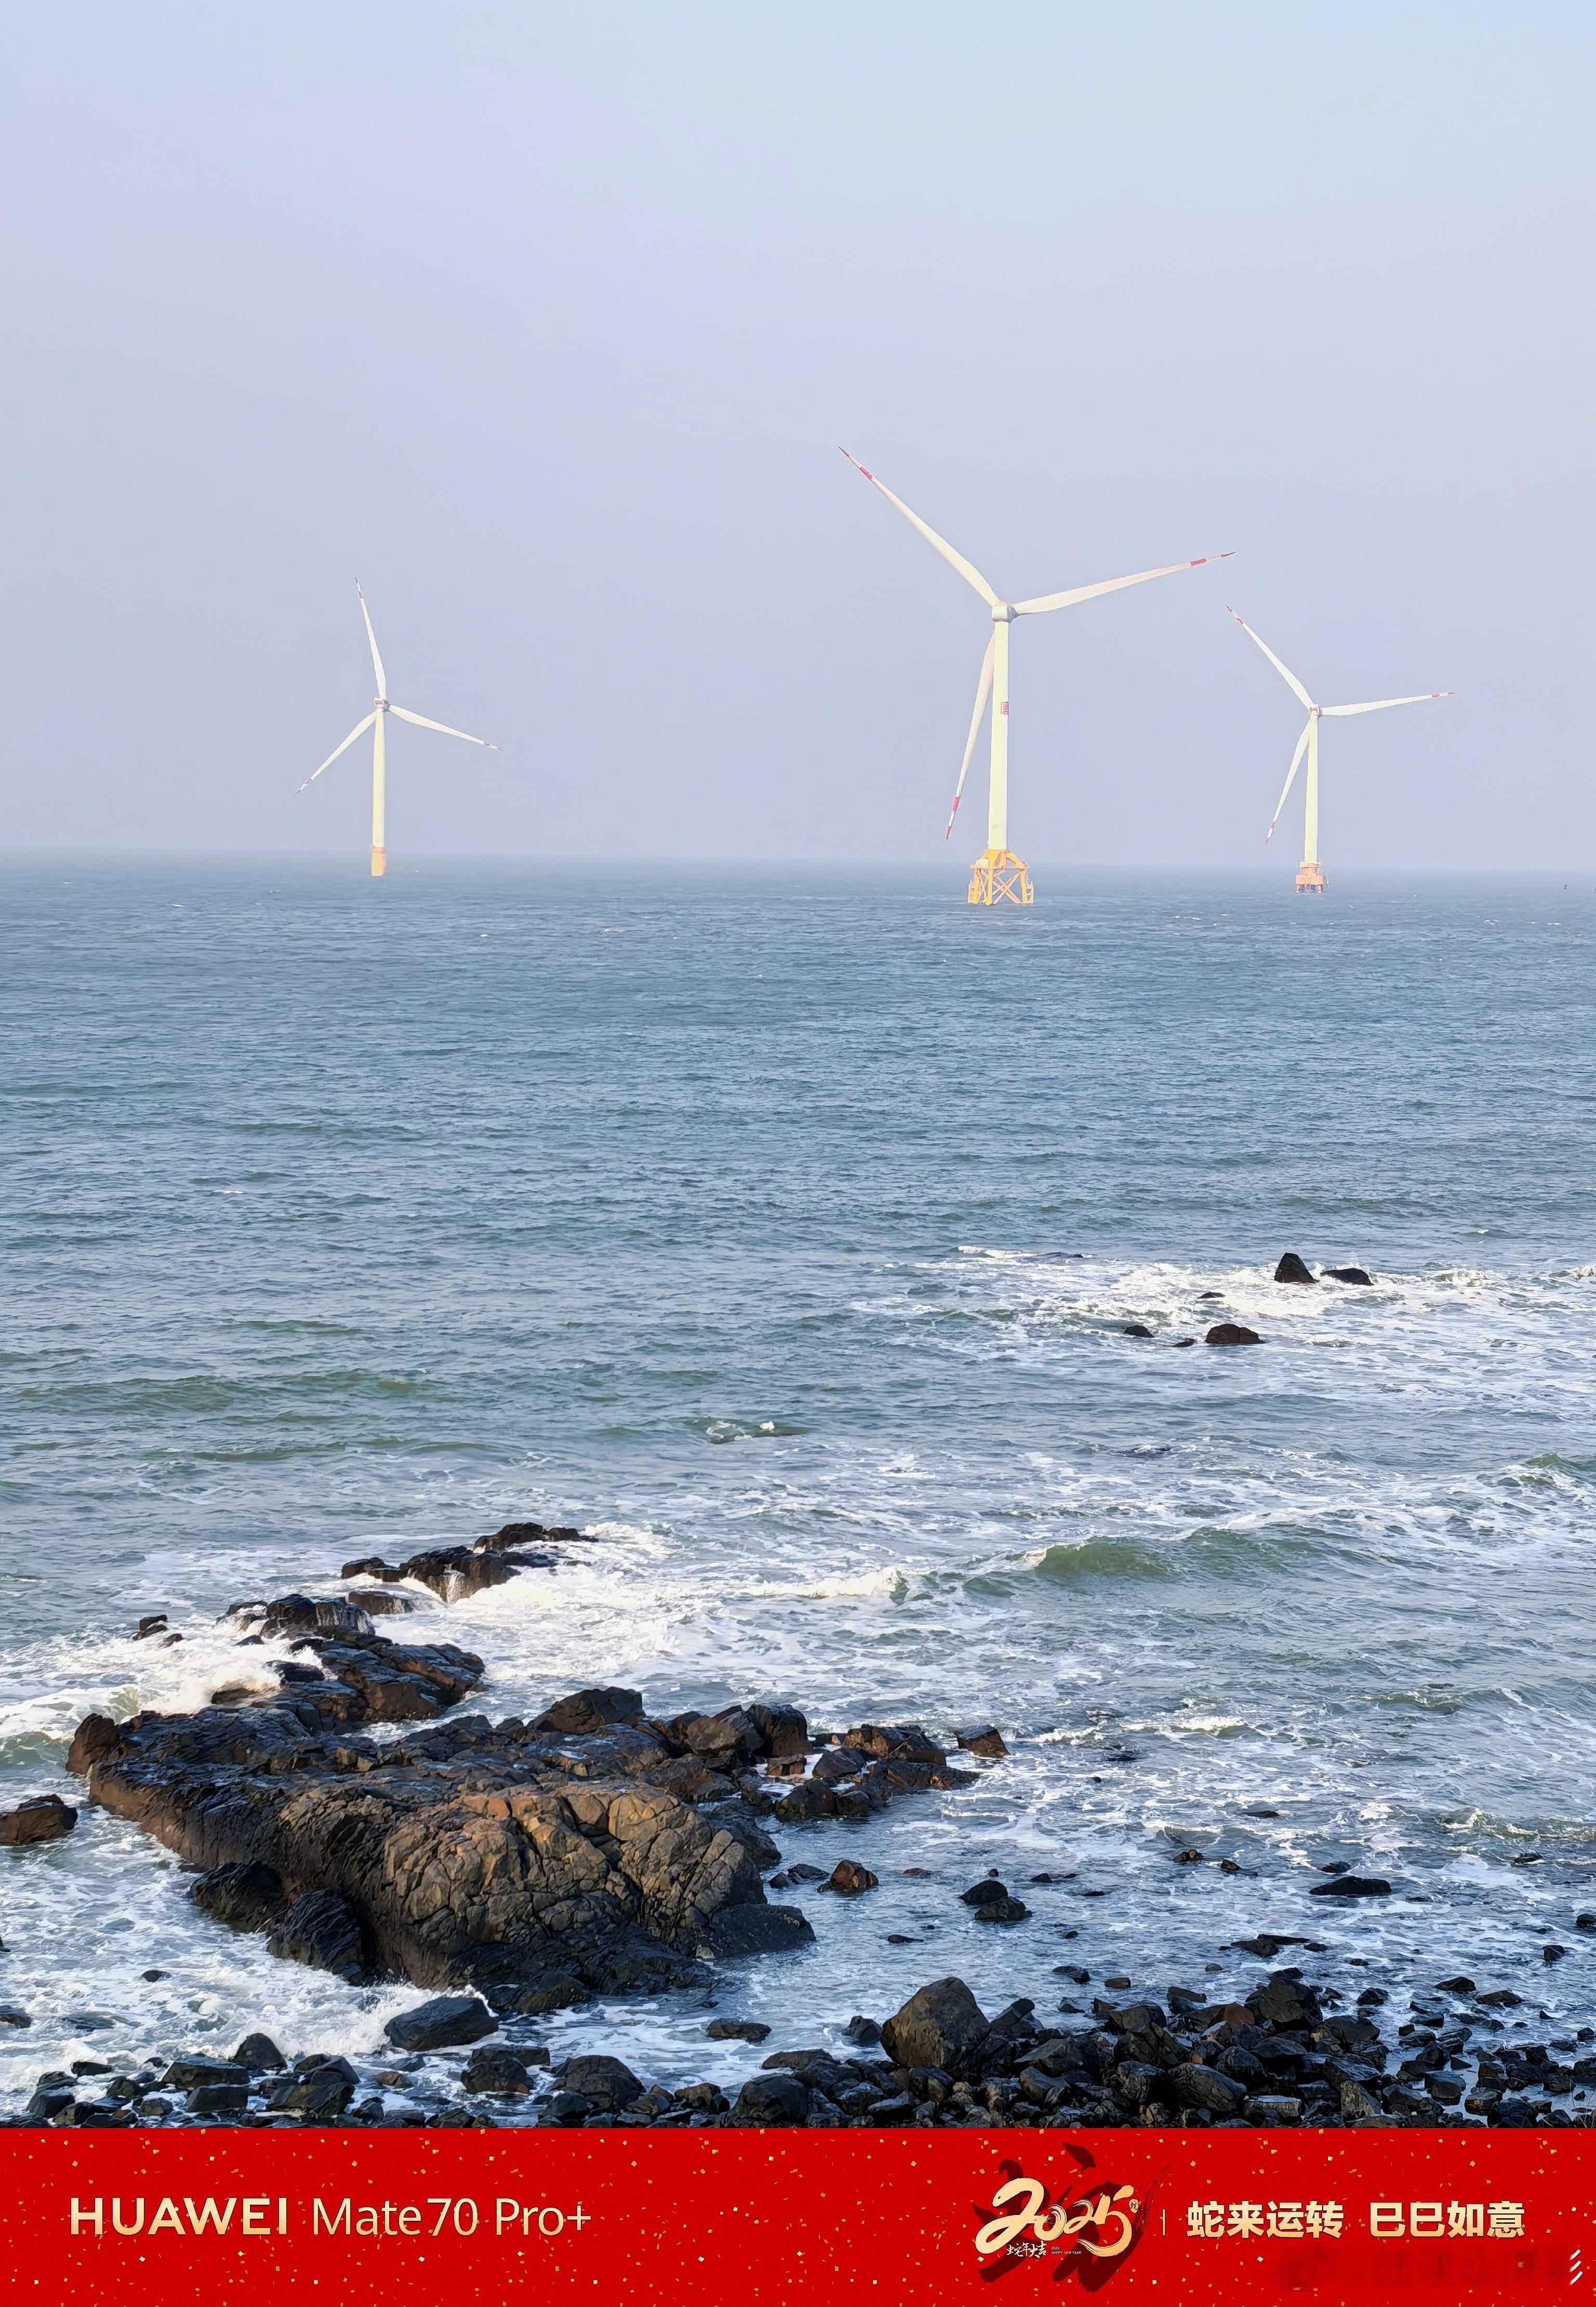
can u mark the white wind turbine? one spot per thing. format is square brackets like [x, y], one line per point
[373, 721]
[1309, 874]
[997, 874]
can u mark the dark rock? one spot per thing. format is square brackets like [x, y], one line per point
[1134, 1330]
[941, 2025]
[1188, 1858]
[1551, 1954]
[1272, 2110]
[259, 2054]
[13, 2015]
[229, 2099]
[378, 1604]
[319, 2092]
[246, 1896]
[736, 2030]
[861, 2031]
[46, 2105]
[1206, 2086]
[588, 1711]
[321, 1930]
[1002, 1910]
[990, 1892]
[734, 1931]
[1375, 1996]
[988, 1743]
[155, 1625]
[197, 2073]
[1351, 1886]
[549, 1991]
[1292, 1269]
[1233, 1334]
[768, 2100]
[497, 2071]
[1353, 1273]
[447, 2021]
[811, 1799]
[847, 1880]
[783, 1728]
[39, 1818]
[1284, 2002]
[605, 2082]
[96, 1737]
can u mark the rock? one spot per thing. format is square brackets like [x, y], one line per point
[736, 2030]
[1284, 2002]
[783, 1728]
[378, 1604]
[941, 2025]
[246, 1896]
[39, 1818]
[606, 2083]
[586, 1711]
[722, 1740]
[1126, 1330]
[1292, 1269]
[12, 2014]
[497, 2071]
[1353, 1273]
[95, 1737]
[988, 1892]
[198, 2073]
[321, 1930]
[155, 1624]
[1584, 1922]
[1188, 1858]
[259, 2054]
[227, 2099]
[988, 1743]
[861, 2031]
[319, 2090]
[46, 2105]
[743, 1930]
[1351, 1886]
[1272, 2113]
[768, 2100]
[812, 1798]
[1002, 1910]
[1233, 1334]
[1551, 1954]
[1206, 2086]
[447, 2021]
[847, 1880]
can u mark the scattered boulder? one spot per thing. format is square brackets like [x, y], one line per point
[495, 2070]
[1351, 1886]
[39, 1818]
[1292, 1269]
[769, 2100]
[1233, 1334]
[260, 2055]
[736, 2030]
[783, 1729]
[607, 2082]
[441, 2024]
[317, 2089]
[12, 2014]
[155, 1625]
[939, 2026]
[1134, 1330]
[847, 1880]
[861, 2031]
[986, 1743]
[586, 1711]
[1352, 1274]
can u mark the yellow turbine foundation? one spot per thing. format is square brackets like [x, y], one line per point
[999, 876]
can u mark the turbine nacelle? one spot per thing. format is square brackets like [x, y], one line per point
[1002, 614]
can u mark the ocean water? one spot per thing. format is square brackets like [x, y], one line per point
[782, 1227]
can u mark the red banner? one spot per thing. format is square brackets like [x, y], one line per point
[677, 2219]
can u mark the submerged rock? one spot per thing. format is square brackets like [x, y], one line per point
[1233, 1333]
[39, 1818]
[1351, 1886]
[1353, 1273]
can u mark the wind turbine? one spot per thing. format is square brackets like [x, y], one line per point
[997, 874]
[1309, 874]
[375, 721]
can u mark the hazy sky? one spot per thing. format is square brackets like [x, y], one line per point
[546, 322]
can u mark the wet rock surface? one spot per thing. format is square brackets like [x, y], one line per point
[39, 1818]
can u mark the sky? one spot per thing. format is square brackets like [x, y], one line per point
[546, 324]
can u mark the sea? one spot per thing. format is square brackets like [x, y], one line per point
[784, 1228]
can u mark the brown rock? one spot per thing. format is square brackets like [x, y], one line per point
[42, 1818]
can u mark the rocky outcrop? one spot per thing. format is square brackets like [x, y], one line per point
[41, 1818]
[1292, 1269]
[455, 1573]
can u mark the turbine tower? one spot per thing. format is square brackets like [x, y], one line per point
[997, 873]
[375, 721]
[1310, 877]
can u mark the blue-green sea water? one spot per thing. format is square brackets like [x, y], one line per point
[784, 1228]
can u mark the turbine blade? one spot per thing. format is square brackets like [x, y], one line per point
[376, 660]
[971, 575]
[359, 729]
[982, 690]
[1291, 774]
[1114, 585]
[1380, 703]
[442, 727]
[1289, 678]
